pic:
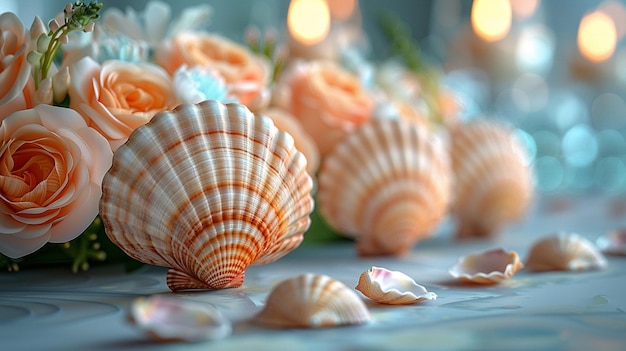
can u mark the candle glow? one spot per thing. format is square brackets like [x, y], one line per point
[491, 19]
[308, 21]
[597, 36]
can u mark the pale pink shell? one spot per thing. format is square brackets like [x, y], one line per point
[387, 185]
[176, 319]
[487, 267]
[613, 243]
[564, 251]
[312, 301]
[392, 287]
[207, 190]
[493, 182]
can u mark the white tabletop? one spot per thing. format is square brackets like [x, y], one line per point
[53, 309]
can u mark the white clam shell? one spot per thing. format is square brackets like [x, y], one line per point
[493, 180]
[392, 287]
[175, 319]
[387, 185]
[564, 251]
[207, 190]
[312, 301]
[487, 267]
[613, 243]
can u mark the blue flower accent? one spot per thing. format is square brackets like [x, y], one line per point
[122, 48]
[199, 84]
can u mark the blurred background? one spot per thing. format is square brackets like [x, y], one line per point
[556, 70]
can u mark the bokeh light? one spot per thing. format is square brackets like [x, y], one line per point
[579, 146]
[308, 20]
[597, 36]
[491, 19]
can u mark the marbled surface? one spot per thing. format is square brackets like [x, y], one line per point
[53, 309]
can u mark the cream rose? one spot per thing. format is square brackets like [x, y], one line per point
[16, 88]
[117, 97]
[328, 101]
[247, 75]
[51, 170]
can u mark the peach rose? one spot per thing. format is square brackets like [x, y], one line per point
[51, 170]
[16, 88]
[247, 75]
[117, 97]
[283, 120]
[328, 101]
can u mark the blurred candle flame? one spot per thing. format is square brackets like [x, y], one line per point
[597, 36]
[308, 21]
[491, 19]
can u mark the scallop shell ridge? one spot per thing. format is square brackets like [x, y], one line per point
[207, 190]
[387, 185]
[564, 251]
[493, 182]
[312, 301]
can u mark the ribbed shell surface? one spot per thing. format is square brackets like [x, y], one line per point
[387, 185]
[207, 190]
[312, 301]
[492, 178]
[564, 251]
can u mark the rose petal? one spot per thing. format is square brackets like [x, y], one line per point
[15, 246]
[79, 216]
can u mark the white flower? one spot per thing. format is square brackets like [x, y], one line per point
[154, 24]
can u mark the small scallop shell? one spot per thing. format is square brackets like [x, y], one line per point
[493, 182]
[312, 301]
[564, 251]
[487, 267]
[392, 287]
[613, 243]
[176, 319]
[207, 190]
[387, 185]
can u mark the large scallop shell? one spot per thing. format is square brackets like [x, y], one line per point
[387, 185]
[207, 190]
[175, 319]
[493, 183]
[487, 267]
[312, 301]
[564, 251]
[392, 287]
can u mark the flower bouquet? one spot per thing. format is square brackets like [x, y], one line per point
[74, 91]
